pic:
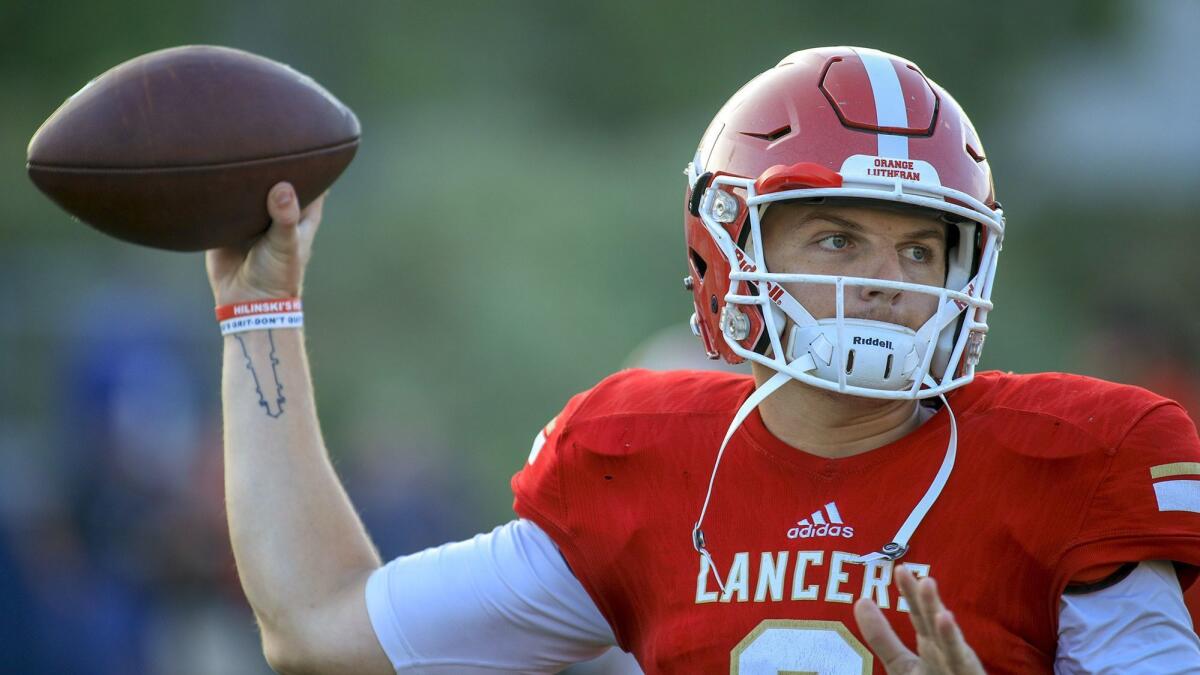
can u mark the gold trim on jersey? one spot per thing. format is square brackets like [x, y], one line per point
[868, 659]
[1176, 469]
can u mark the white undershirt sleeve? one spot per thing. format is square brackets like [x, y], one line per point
[504, 601]
[1139, 625]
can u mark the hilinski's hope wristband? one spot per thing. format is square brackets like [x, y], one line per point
[240, 317]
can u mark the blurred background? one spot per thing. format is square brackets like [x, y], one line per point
[521, 164]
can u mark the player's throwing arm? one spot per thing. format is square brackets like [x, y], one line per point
[301, 551]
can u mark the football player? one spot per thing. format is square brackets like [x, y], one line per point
[842, 236]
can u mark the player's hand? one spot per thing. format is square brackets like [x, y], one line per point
[941, 649]
[271, 265]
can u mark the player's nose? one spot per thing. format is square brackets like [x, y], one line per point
[884, 266]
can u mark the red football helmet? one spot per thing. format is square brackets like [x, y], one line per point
[840, 123]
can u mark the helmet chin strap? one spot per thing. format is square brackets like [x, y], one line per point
[893, 550]
[896, 549]
[760, 394]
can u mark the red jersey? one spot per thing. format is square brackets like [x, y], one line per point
[1055, 475]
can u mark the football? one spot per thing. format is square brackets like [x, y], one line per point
[177, 149]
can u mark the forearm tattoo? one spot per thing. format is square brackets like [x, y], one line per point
[273, 409]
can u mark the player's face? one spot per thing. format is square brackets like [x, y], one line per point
[858, 241]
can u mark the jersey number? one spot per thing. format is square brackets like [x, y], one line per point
[785, 647]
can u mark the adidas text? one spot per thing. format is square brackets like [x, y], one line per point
[825, 530]
[817, 525]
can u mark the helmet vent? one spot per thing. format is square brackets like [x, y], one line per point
[887, 368]
[850, 362]
[771, 136]
[698, 263]
[975, 154]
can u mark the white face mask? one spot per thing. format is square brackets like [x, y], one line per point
[866, 358]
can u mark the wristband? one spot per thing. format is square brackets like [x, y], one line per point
[240, 317]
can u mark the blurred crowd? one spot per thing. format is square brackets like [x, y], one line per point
[114, 551]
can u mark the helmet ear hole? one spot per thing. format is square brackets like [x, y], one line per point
[698, 263]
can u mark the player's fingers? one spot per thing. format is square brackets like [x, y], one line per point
[221, 262]
[881, 639]
[214, 261]
[283, 207]
[959, 656]
[311, 215]
[933, 611]
[282, 242]
[931, 600]
[907, 583]
[310, 219]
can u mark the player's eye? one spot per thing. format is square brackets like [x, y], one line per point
[919, 254]
[835, 242]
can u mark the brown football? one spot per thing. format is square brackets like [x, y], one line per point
[178, 148]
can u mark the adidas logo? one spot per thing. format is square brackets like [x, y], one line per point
[817, 526]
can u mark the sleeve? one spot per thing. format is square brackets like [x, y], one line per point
[541, 494]
[1137, 625]
[1146, 506]
[501, 602]
[538, 493]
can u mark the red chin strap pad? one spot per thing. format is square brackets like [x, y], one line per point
[797, 176]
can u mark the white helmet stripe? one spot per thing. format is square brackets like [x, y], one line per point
[889, 102]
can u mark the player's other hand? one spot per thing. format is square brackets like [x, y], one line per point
[941, 649]
[271, 265]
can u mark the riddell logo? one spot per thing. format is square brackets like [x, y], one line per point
[873, 342]
[817, 526]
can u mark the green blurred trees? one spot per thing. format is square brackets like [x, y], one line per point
[511, 228]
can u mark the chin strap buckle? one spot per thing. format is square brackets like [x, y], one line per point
[891, 552]
[896, 549]
[698, 544]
